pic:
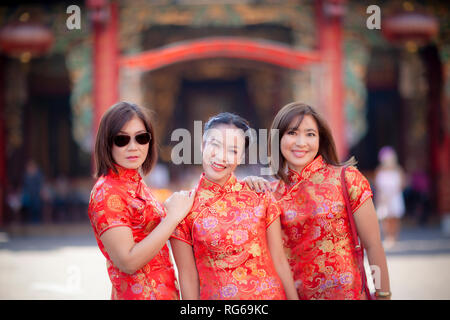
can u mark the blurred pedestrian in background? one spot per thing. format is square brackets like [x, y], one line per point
[159, 180]
[389, 185]
[419, 196]
[31, 193]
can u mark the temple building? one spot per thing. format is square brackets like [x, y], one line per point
[379, 71]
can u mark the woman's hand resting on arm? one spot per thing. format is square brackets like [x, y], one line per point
[130, 256]
[258, 184]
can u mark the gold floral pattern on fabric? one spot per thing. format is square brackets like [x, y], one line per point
[123, 199]
[114, 203]
[316, 231]
[227, 229]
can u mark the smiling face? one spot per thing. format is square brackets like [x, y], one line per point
[223, 149]
[300, 145]
[133, 155]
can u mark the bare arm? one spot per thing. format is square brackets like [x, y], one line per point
[129, 256]
[281, 264]
[369, 232]
[187, 270]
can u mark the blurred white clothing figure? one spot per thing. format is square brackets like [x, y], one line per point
[159, 178]
[389, 184]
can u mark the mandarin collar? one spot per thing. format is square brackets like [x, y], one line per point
[232, 184]
[315, 165]
[125, 174]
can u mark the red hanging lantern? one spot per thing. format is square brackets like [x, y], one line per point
[25, 37]
[410, 26]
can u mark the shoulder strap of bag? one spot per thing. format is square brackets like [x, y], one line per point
[356, 241]
[359, 248]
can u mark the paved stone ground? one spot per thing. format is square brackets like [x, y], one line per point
[419, 265]
[53, 267]
[70, 265]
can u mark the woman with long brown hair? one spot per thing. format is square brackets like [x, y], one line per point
[316, 229]
[130, 226]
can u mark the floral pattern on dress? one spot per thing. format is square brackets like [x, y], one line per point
[316, 231]
[227, 229]
[123, 199]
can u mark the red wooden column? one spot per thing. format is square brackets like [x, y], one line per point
[104, 16]
[329, 24]
[3, 177]
[444, 182]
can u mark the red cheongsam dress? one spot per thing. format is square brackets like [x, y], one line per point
[227, 230]
[124, 200]
[316, 231]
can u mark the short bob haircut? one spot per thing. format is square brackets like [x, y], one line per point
[229, 118]
[327, 147]
[111, 123]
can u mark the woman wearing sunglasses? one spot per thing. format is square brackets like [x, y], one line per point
[229, 245]
[130, 226]
[316, 228]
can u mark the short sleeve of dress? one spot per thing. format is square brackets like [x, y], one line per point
[107, 210]
[358, 188]
[183, 231]
[273, 209]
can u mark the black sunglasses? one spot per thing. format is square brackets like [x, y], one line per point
[122, 140]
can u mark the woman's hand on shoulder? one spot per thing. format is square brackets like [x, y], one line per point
[179, 204]
[258, 184]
